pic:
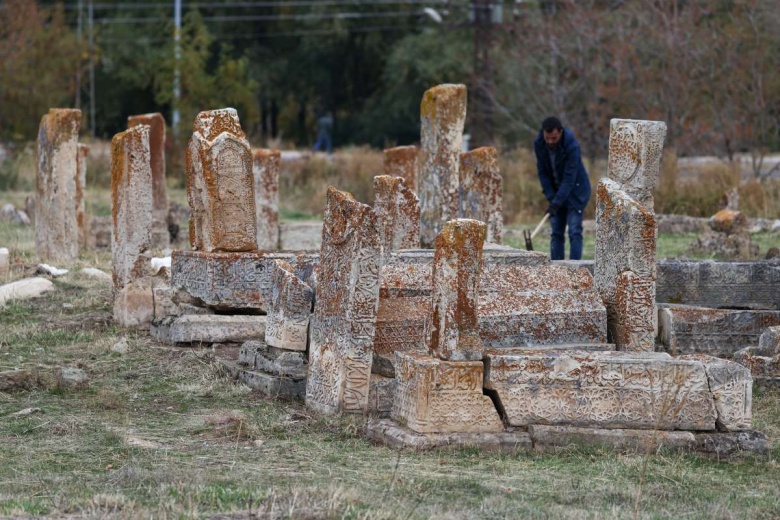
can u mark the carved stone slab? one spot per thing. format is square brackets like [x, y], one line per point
[131, 204]
[402, 325]
[220, 184]
[640, 390]
[442, 116]
[752, 285]
[217, 328]
[288, 319]
[491, 254]
[760, 362]
[156, 123]
[625, 242]
[82, 217]
[344, 321]
[433, 395]
[456, 267]
[635, 151]
[227, 280]
[265, 166]
[57, 176]
[717, 332]
[398, 211]
[731, 386]
[401, 161]
[481, 190]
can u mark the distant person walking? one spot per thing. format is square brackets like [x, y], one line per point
[324, 130]
[565, 184]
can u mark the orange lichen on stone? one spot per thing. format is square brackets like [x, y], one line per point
[156, 123]
[401, 161]
[265, 167]
[398, 211]
[729, 221]
[481, 190]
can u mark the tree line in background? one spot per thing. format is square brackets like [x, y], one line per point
[709, 68]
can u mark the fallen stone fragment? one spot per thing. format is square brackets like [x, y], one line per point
[16, 380]
[729, 221]
[51, 270]
[273, 386]
[213, 328]
[10, 213]
[25, 412]
[24, 289]
[728, 444]
[92, 272]
[134, 304]
[120, 346]
[71, 377]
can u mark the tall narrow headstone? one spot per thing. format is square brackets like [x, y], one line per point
[401, 161]
[442, 116]
[56, 226]
[456, 267]
[265, 164]
[636, 148]
[482, 191]
[287, 324]
[398, 211]
[220, 184]
[344, 320]
[131, 194]
[156, 122]
[82, 218]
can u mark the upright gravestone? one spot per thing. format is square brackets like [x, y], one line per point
[265, 165]
[131, 194]
[481, 190]
[82, 219]
[401, 161]
[442, 116]
[57, 181]
[220, 184]
[156, 122]
[625, 265]
[344, 320]
[398, 211]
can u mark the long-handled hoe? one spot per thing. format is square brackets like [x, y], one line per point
[530, 236]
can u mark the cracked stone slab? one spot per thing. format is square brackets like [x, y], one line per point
[217, 328]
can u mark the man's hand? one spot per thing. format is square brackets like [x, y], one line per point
[552, 209]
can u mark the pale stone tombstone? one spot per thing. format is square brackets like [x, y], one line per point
[287, 326]
[442, 116]
[344, 320]
[57, 180]
[265, 165]
[398, 211]
[131, 193]
[5, 263]
[481, 190]
[156, 122]
[401, 161]
[82, 219]
[626, 242]
[456, 268]
[636, 148]
[220, 184]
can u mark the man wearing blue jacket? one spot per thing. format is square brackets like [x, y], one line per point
[565, 183]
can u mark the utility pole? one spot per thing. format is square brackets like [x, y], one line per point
[78, 64]
[91, 15]
[176, 74]
[484, 14]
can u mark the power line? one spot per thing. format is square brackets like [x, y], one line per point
[270, 17]
[242, 5]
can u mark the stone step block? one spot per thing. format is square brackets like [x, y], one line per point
[217, 328]
[273, 386]
[553, 438]
[637, 390]
[437, 396]
[717, 332]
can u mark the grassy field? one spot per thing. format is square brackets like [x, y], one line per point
[162, 432]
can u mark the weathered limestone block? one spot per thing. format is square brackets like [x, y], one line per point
[5, 264]
[217, 328]
[344, 320]
[227, 280]
[398, 212]
[492, 254]
[169, 302]
[220, 184]
[381, 395]
[729, 221]
[635, 151]
[265, 167]
[288, 319]
[717, 332]
[24, 289]
[761, 363]
[57, 175]
[481, 190]
[401, 161]
[160, 237]
[745, 285]
[442, 116]
[82, 218]
[134, 304]
[433, 395]
[131, 198]
[456, 267]
[549, 438]
[402, 325]
[731, 386]
[625, 242]
[641, 390]
[769, 341]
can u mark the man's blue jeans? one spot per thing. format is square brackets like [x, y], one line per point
[566, 217]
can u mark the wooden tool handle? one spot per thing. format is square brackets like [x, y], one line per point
[536, 231]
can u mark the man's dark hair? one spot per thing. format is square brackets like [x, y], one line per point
[551, 123]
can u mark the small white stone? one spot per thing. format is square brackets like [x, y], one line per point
[159, 263]
[24, 289]
[92, 272]
[120, 346]
[51, 270]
